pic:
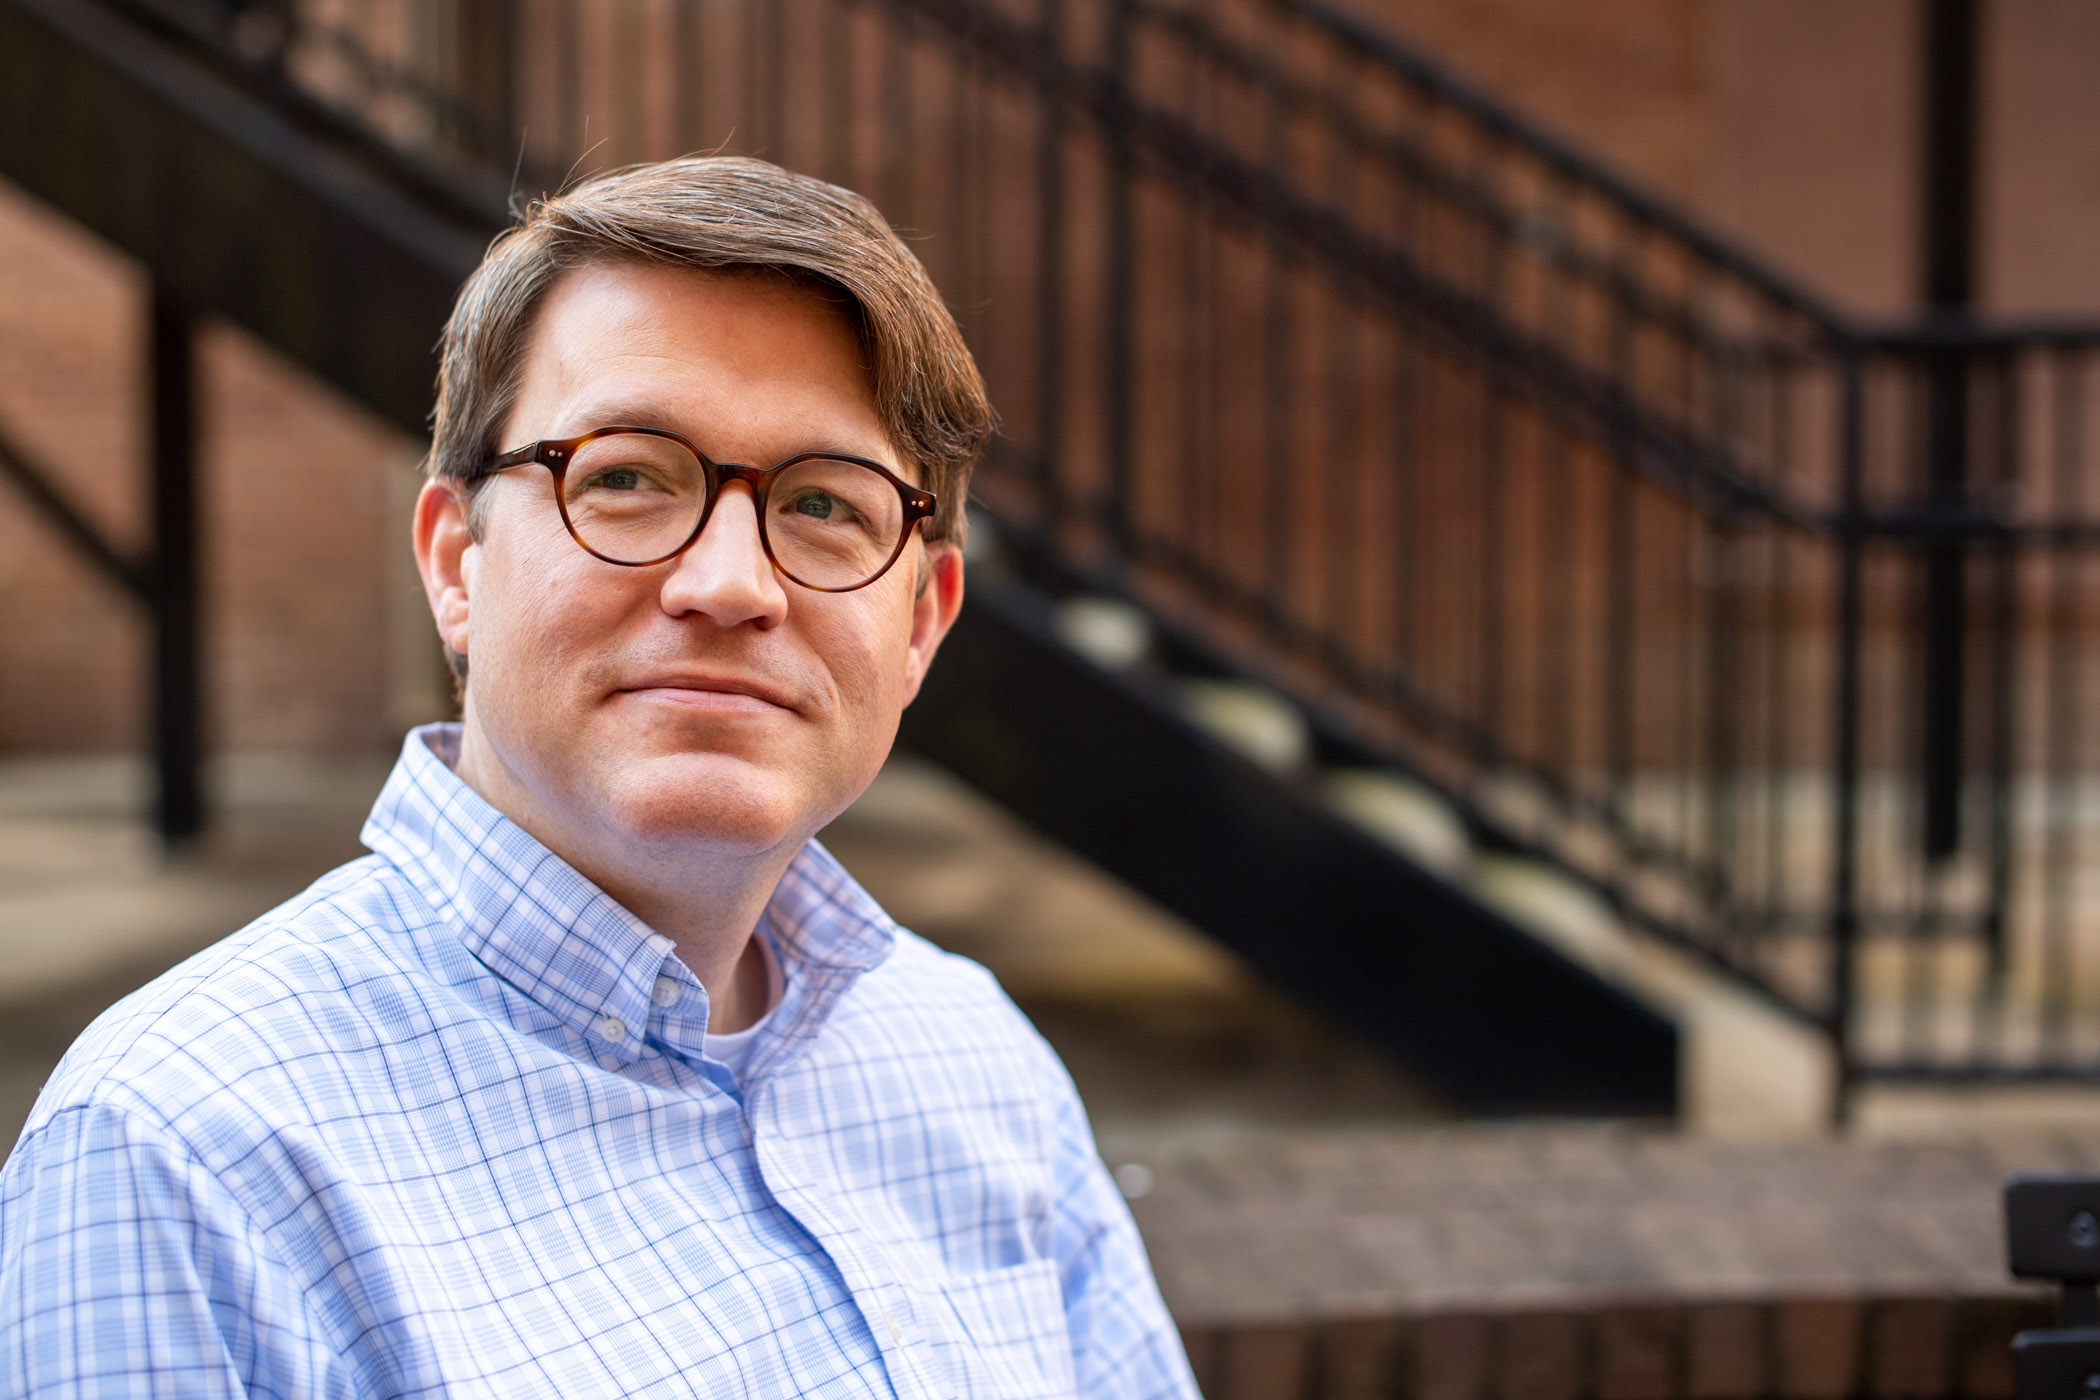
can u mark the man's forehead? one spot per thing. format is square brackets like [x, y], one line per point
[655, 345]
[640, 300]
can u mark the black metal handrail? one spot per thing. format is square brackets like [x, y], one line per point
[1576, 165]
[1501, 464]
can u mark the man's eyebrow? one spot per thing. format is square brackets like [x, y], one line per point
[639, 413]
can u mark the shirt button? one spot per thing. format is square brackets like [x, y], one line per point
[889, 1323]
[665, 992]
[613, 1029]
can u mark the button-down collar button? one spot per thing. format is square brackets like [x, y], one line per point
[613, 1029]
[665, 992]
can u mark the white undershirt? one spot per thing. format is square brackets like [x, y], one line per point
[733, 1048]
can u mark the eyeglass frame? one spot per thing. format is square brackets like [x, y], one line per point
[555, 455]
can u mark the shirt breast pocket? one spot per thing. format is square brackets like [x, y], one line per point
[1007, 1335]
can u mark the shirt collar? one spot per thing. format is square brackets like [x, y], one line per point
[541, 926]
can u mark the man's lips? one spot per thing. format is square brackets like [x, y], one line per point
[710, 692]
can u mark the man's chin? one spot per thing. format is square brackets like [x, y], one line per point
[711, 800]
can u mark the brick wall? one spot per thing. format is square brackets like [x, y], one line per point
[314, 640]
[1796, 1348]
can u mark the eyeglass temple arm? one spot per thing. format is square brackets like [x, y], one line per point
[552, 453]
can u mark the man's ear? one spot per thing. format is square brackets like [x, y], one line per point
[441, 542]
[933, 608]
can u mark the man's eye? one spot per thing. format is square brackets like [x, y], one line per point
[818, 505]
[617, 479]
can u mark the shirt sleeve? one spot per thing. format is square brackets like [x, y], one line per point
[1124, 1345]
[128, 1269]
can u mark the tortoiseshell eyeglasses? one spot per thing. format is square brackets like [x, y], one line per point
[640, 496]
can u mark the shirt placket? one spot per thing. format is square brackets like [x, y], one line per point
[797, 1183]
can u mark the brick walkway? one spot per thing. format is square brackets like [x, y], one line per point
[1484, 1263]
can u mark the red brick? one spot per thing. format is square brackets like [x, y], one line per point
[1984, 1329]
[1359, 1358]
[1537, 1356]
[1450, 1357]
[1637, 1352]
[1264, 1362]
[1818, 1348]
[1727, 1351]
[1907, 1348]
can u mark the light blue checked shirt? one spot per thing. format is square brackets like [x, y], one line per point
[443, 1125]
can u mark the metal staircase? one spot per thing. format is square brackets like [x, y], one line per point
[1497, 476]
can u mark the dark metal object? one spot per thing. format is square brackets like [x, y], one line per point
[2060, 1364]
[178, 688]
[2052, 1231]
[1951, 64]
[1848, 723]
[1118, 352]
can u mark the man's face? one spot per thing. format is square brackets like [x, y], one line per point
[705, 701]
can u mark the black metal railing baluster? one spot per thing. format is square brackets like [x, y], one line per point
[1493, 562]
[1197, 299]
[1050, 235]
[839, 96]
[1280, 373]
[770, 20]
[178, 718]
[897, 193]
[1346, 480]
[1621, 541]
[2061, 863]
[1554, 666]
[692, 78]
[955, 275]
[2003, 642]
[1119, 360]
[1849, 543]
[1781, 761]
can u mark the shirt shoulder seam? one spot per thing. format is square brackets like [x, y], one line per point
[179, 1141]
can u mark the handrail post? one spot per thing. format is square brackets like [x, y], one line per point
[1948, 285]
[178, 717]
[1844, 899]
[483, 62]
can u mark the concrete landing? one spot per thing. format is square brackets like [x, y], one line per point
[1559, 1262]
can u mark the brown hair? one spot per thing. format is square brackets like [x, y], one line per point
[732, 214]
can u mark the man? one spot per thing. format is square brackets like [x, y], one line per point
[599, 1077]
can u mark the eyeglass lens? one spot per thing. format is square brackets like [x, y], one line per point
[634, 497]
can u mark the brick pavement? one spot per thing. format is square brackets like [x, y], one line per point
[1556, 1262]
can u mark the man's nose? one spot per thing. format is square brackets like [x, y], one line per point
[725, 574]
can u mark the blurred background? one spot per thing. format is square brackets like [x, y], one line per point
[1528, 720]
